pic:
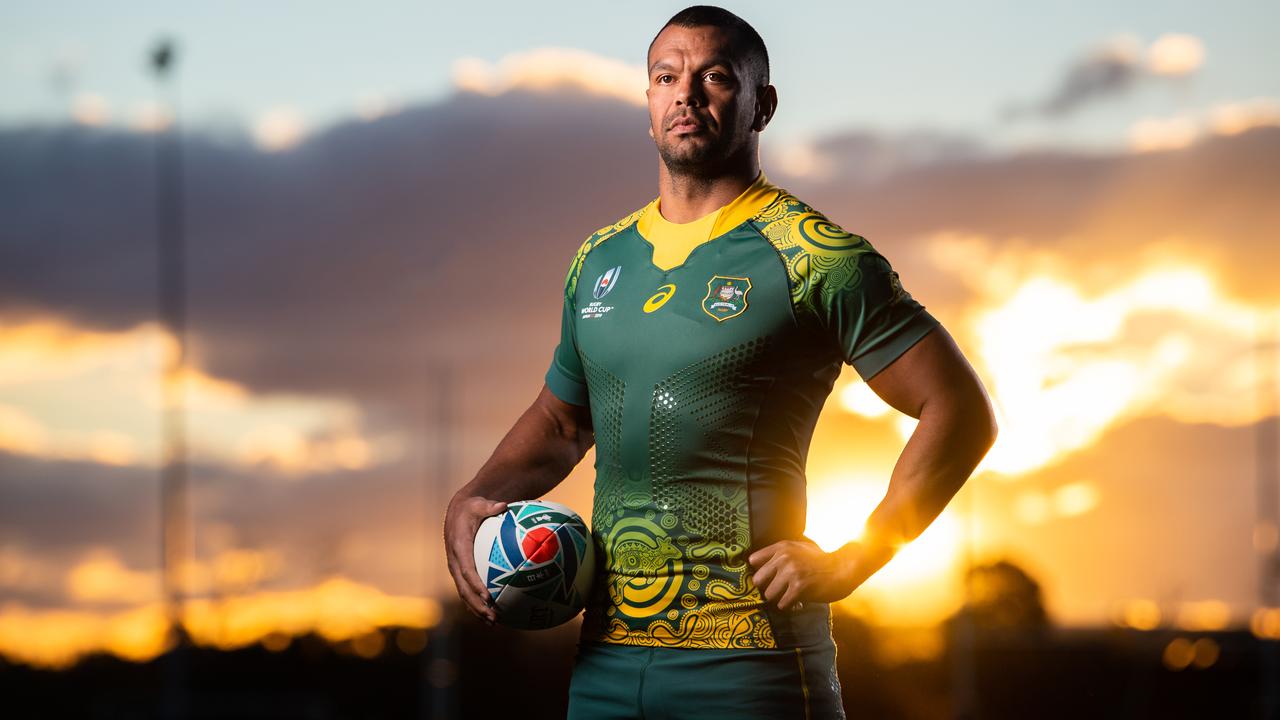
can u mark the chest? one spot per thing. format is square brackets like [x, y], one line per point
[641, 322]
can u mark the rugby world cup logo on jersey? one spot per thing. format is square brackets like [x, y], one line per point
[726, 296]
[606, 281]
[604, 285]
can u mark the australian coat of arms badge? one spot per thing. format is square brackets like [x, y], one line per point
[726, 296]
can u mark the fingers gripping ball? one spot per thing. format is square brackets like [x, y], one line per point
[537, 561]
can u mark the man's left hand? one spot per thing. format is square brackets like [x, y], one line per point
[792, 571]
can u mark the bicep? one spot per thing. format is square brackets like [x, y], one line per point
[933, 370]
[572, 421]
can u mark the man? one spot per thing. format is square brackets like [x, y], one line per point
[701, 335]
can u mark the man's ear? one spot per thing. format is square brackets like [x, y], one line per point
[651, 132]
[766, 105]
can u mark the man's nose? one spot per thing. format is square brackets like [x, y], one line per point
[691, 94]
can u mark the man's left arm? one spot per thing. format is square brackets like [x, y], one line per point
[933, 382]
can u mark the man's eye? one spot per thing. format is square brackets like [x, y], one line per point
[715, 76]
[663, 77]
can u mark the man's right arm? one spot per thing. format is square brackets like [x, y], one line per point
[543, 446]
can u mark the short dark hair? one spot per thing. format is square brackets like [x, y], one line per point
[746, 41]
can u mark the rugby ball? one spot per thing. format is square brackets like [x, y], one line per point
[537, 561]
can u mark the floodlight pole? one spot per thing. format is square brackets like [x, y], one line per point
[441, 668]
[174, 526]
[1267, 527]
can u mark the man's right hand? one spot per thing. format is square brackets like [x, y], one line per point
[538, 452]
[461, 522]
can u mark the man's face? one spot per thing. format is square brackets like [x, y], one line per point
[702, 102]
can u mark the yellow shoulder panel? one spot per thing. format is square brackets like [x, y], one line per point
[816, 251]
[597, 237]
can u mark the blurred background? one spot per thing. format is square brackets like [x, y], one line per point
[275, 278]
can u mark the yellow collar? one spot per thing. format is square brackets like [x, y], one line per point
[672, 242]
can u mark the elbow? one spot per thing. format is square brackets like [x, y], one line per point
[992, 427]
[983, 420]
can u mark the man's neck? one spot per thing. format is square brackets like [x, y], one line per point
[683, 198]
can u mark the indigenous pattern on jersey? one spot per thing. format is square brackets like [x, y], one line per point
[705, 380]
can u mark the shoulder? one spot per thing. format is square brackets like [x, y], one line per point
[793, 226]
[594, 239]
[819, 255]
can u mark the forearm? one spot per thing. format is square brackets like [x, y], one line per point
[939, 457]
[948, 443]
[534, 457]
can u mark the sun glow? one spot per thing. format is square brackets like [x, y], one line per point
[921, 583]
[1062, 363]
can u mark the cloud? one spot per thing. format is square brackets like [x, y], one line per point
[1113, 68]
[19, 432]
[101, 577]
[1162, 500]
[23, 571]
[1232, 118]
[373, 105]
[340, 556]
[552, 68]
[279, 129]
[354, 270]
[1175, 54]
[90, 109]
[353, 257]
[1155, 134]
[358, 268]
[1064, 364]
[338, 609]
[1209, 200]
[866, 158]
[1166, 500]
[80, 534]
[53, 366]
[55, 509]
[150, 116]
[356, 265]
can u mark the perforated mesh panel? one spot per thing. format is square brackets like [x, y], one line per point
[702, 398]
[606, 391]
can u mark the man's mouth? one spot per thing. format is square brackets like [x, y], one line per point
[687, 123]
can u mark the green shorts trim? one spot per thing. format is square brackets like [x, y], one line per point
[629, 682]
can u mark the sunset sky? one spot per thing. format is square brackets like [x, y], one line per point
[382, 203]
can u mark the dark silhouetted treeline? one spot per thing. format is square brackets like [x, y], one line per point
[1001, 658]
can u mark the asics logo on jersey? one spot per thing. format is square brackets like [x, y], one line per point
[606, 281]
[660, 298]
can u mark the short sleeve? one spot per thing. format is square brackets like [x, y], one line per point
[565, 377]
[869, 314]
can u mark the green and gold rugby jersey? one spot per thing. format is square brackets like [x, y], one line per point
[705, 363]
